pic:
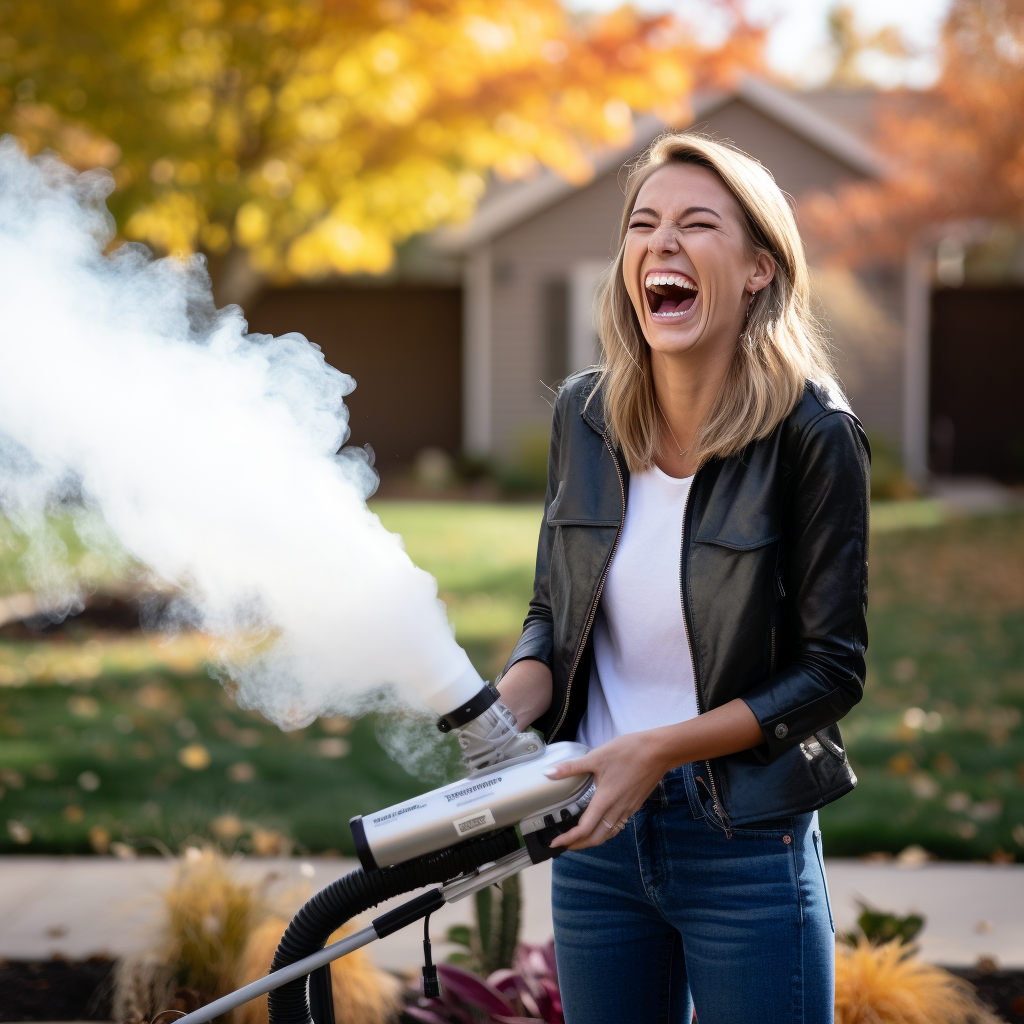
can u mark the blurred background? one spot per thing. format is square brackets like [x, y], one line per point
[429, 190]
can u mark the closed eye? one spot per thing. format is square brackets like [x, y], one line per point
[648, 224]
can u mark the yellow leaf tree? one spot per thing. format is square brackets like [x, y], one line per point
[309, 137]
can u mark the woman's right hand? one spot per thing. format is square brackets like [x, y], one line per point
[526, 691]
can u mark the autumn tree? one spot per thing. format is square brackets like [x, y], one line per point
[311, 136]
[953, 153]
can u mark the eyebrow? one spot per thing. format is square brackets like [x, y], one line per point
[685, 213]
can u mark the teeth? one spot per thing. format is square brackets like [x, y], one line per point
[678, 280]
[678, 312]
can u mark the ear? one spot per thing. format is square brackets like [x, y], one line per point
[762, 274]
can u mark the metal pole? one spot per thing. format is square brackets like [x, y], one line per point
[296, 970]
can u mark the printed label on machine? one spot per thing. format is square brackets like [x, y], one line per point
[474, 822]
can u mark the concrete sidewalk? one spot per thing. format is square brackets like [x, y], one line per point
[79, 906]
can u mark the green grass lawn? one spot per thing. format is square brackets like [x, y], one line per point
[482, 557]
[124, 739]
[937, 741]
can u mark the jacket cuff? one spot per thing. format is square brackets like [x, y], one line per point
[785, 729]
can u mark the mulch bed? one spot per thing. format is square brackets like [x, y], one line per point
[55, 989]
[1001, 991]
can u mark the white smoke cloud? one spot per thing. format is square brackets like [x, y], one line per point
[211, 454]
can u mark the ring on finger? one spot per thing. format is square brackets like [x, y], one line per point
[607, 825]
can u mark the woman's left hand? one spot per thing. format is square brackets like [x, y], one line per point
[626, 771]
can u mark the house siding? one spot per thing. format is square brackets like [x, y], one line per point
[797, 165]
[525, 262]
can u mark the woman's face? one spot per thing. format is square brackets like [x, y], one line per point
[687, 264]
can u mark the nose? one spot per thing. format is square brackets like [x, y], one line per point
[664, 240]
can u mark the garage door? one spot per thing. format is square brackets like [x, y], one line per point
[402, 345]
[977, 382]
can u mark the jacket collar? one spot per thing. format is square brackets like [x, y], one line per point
[592, 401]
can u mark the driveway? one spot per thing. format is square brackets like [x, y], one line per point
[79, 906]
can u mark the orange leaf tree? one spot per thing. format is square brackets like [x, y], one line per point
[954, 152]
[312, 136]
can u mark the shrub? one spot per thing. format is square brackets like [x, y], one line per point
[886, 985]
[210, 914]
[527, 472]
[526, 991]
[879, 927]
[888, 479]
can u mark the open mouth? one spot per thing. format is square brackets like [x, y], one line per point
[669, 295]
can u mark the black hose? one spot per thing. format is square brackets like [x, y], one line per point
[321, 995]
[358, 891]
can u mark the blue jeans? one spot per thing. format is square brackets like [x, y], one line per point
[673, 914]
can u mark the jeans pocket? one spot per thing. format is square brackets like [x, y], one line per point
[824, 882]
[693, 797]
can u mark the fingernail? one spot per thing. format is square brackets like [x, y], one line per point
[551, 773]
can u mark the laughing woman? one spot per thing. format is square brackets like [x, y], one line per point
[698, 616]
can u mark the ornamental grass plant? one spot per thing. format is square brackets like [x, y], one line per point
[220, 933]
[888, 984]
[209, 915]
[363, 994]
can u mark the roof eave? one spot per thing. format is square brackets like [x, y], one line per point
[788, 111]
[531, 197]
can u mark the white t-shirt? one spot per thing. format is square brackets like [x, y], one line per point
[641, 674]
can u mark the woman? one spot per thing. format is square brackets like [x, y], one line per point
[699, 611]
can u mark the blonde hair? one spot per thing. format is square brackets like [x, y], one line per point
[780, 349]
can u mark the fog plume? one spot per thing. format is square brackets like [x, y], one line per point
[209, 454]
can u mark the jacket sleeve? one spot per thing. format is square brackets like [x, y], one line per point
[826, 531]
[537, 640]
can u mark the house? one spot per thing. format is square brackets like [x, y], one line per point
[462, 346]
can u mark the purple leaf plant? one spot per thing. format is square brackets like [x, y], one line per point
[526, 992]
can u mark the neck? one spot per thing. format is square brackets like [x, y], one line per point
[686, 385]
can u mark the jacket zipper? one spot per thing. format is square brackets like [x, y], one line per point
[600, 588]
[782, 593]
[716, 803]
[781, 590]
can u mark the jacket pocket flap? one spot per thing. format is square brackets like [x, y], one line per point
[744, 515]
[754, 530]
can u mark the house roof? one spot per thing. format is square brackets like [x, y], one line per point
[511, 203]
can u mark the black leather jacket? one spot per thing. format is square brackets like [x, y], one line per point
[773, 587]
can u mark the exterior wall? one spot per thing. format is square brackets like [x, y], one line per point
[797, 165]
[863, 314]
[528, 265]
